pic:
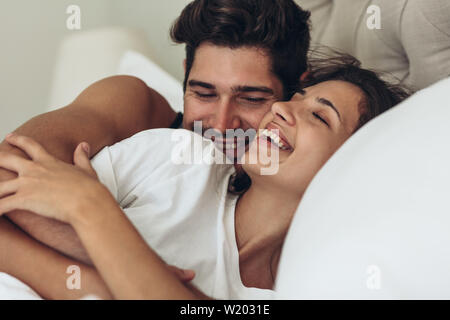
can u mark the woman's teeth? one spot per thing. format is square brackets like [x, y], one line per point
[274, 138]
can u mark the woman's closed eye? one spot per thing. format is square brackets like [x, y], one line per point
[315, 114]
[321, 119]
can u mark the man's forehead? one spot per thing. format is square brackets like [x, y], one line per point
[234, 68]
[209, 47]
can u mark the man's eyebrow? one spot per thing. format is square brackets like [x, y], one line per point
[253, 89]
[329, 104]
[196, 83]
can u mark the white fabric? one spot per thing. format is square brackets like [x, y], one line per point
[138, 65]
[413, 42]
[85, 57]
[183, 211]
[13, 289]
[375, 221]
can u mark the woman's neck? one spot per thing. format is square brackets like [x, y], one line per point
[262, 219]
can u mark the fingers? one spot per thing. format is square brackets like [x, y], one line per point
[182, 275]
[13, 162]
[33, 149]
[9, 204]
[81, 159]
[8, 187]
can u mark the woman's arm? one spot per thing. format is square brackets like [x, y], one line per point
[131, 269]
[45, 270]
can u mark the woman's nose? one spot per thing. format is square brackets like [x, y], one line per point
[282, 112]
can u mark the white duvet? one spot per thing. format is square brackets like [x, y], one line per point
[14, 289]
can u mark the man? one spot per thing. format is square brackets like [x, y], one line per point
[241, 56]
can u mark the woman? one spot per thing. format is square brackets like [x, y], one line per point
[228, 226]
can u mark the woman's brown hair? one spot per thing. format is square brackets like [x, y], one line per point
[379, 95]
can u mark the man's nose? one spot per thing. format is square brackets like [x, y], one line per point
[282, 112]
[226, 117]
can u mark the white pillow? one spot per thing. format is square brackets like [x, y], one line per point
[87, 56]
[135, 64]
[375, 221]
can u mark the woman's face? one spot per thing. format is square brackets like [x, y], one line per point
[312, 126]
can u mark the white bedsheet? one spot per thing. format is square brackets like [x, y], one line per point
[14, 289]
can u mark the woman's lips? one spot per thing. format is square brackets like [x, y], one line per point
[271, 126]
[266, 142]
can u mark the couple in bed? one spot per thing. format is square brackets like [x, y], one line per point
[133, 211]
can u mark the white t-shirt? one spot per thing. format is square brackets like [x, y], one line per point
[183, 211]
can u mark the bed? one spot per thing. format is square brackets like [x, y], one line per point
[379, 229]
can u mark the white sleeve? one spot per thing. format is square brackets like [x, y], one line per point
[102, 164]
[123, 166]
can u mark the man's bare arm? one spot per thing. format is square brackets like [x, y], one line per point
[107, 112]
[44, 269]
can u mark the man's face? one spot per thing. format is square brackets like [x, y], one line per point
[229, 89]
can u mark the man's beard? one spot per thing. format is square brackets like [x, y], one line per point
[234, 143]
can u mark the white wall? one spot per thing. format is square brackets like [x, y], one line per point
[30, 32]
[155, 17]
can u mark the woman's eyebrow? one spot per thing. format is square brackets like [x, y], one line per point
[329, 104]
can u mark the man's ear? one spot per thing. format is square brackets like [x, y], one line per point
[184, 65]
[305, 75]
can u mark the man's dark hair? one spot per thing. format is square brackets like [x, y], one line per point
[280, 27]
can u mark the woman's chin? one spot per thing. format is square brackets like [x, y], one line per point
[261, 159]
[257, 168]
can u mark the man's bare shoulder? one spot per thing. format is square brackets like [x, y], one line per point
[119, 89]
[127, 96]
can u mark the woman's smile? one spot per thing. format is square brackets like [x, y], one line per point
[275, 133]
[272, 137]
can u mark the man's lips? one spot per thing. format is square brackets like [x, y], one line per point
[230, 143]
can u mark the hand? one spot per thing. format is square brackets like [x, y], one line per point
[46, 185]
